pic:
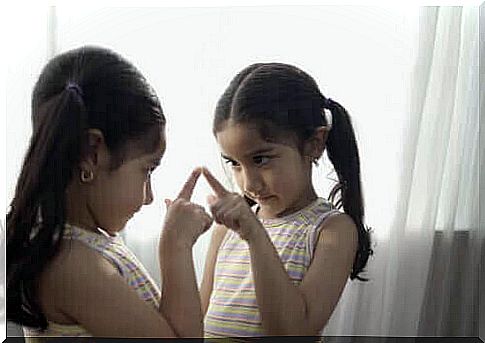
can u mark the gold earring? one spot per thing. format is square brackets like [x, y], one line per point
[87, 176]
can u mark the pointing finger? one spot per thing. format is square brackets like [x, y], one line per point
[189, 185]
[214, 183]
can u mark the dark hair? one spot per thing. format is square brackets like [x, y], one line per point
[282, 99]
[89, 87]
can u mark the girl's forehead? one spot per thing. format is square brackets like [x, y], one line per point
[245, 139]
[150, 145]
[155, 155]
[240, 134]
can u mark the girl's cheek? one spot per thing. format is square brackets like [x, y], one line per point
[133, 192]
[238, 178]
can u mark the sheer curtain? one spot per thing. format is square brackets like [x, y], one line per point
[450, 113]
[408, 77]
[425, 274]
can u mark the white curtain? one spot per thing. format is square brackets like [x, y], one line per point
[408, 77]
[425, 274]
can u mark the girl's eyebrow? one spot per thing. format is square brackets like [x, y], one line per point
[261, 151]
[252, 153]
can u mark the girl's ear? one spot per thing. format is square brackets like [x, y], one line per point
[315, 145]
[95, 154]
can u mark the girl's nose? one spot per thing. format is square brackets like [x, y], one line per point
[253, 182]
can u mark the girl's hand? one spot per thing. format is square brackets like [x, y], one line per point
[186, 221]
[231, 209]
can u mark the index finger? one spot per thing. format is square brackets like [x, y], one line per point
[214, 183]
[189, 185]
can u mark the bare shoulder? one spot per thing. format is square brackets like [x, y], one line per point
[73, 265]
[339, 229]
[340, 220]
[331, 266]
[81, 287]
[74, 255]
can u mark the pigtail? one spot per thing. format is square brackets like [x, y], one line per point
[36, 217]
[343, 153]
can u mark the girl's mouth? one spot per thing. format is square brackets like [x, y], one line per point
[263, 199]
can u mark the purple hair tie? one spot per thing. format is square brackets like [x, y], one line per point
[75, 87]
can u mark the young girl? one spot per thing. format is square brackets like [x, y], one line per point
[98, 134]
[281, 267]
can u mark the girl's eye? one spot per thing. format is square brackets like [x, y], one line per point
[261, 160]
[231, 163]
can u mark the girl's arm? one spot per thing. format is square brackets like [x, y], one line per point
[180, 297]
[210, 263]
[184, 223]
[287, 309]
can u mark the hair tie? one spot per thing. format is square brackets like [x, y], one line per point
[74, 87]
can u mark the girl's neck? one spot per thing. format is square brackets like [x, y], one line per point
[77, 211]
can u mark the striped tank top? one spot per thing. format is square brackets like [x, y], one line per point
[233, 310]
[117, 253]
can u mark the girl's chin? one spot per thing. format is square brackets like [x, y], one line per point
[121, 225]
[269, 209]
